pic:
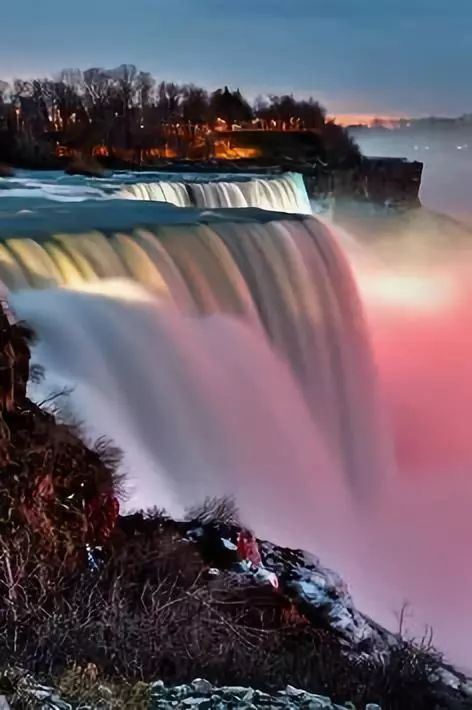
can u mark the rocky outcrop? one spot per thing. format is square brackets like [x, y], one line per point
[323, 598]
[53, 489]
[288, 588]
[87, 167]
[6, 171]
[200, 694]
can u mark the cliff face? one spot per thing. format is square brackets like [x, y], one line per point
[382, 181]
[52, 487]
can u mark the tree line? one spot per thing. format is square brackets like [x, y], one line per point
[127, 109]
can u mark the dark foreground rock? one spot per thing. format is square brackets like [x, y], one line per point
[200, 694]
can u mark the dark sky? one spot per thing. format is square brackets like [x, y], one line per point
[357, 56]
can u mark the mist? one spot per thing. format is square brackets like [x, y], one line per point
[414, 275]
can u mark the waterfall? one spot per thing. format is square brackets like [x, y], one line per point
[284, 278]
[226, 353]
[286, 193]
[281, 193]
[202, 406]
[176, 193]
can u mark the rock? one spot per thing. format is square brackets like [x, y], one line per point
[158, 685]
[249, 696]
[88, 167]
[466, 689]
[319, 702]
[450, 679]
[6, 171]
[179, 691]
[57, 704]
[236, 690]
[40, 692]
[323, 597]
[204, 687]
[294, 692]
[202, 695]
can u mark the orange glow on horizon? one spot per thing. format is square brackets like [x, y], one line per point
[362, 119]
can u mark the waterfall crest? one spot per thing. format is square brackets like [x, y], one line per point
[286, 193]
[281, 193]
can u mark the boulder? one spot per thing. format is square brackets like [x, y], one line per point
[88, 167]
[6, 171]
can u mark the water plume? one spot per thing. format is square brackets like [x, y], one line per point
[415, 281]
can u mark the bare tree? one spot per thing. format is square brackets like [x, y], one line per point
[195, 104]
[5, 90]
[169, 99]
[145, 88]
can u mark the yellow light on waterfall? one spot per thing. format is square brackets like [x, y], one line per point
[119, 289]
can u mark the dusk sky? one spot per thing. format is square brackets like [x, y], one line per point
[356, 56]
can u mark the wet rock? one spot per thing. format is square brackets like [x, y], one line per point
[88, 167]
[201, 686]
[203, 695]
[6, 171]
[323, 597]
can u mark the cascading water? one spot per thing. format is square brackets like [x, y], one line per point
[202, 406]
[283, 193]
[176, 193]
[286, 278]
[286, 193]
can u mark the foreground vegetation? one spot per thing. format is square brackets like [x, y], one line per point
[93, 603]
[152, 611]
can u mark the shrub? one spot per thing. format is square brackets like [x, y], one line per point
[150, 612]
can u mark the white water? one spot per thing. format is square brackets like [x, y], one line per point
[284, 193]
[202, 406]
[287, 279]
[414, 271]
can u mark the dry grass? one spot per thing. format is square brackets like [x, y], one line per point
[150, 613]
